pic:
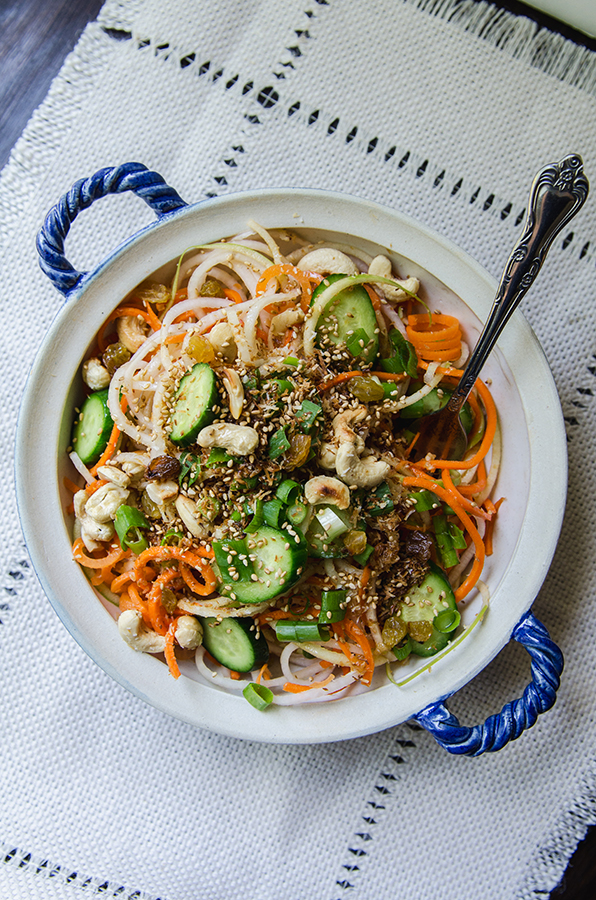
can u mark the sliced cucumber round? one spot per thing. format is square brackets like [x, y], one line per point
[232, 643]
[430, 598]
[93, 427]
[278, 559]
[348, 312]
[194, 404]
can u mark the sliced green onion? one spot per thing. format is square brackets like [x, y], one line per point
[171, 538]
[258, 695]
[282, 385]
[300, 631]
[296, 513]
[403, 358]
[444, 543]
[232, 558]
[278, 443]
[288, 491]
[362, 558]
[274, 513]
[307, 414]
[257, 519]
[447, 620]
[457, 536]
[333, 524]
[236, 516]
[190, 468]
[402, 650]
[380, 500]
[217, 457]
[128, 521]
[424, 500]
[291, 361]
[333, 606]
[354, 345]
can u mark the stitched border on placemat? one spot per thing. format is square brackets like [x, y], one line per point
[48, 869]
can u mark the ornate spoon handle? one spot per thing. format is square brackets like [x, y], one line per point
[557, 193]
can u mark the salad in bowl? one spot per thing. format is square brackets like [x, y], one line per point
[245, 494]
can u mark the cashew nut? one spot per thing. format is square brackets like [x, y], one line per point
[327, 261]
[189, 633]
[113, 475]
[237, 439]
[132, 332]
[382, 266]
[133, 463]
[103, 504]
[221, 338]
[235, 389]
[342, 429]
[95, 375]
[364, 473]
[187, 510]
[327, 453]
[161, 491]
[93, 531]
[324, 489]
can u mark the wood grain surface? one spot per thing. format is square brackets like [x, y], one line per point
[35, 37]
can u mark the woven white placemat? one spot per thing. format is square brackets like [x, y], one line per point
[444, 110]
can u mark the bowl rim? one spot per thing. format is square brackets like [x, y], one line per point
[201, 705]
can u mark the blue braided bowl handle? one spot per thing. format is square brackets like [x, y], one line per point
[516, 716]
[130, 176]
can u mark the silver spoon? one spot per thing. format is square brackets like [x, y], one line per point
[558, 191]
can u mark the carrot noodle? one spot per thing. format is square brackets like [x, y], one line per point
[71, 486]
[448, 497]
[338, 630]
[120, 581]
[192, 559]
[374, 297]
[463, 501]
[78, 551]
[293, 688]
[95, 486]
[154, 321]
[490, 527]
[235, 676]
[359, 636]
[470, 490]
[233, 295]
[263, 673]
[304, 279]
[439, 339]
[169, 651]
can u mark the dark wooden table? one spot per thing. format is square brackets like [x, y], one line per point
[35, 37]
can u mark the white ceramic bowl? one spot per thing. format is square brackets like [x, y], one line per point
[533, 443]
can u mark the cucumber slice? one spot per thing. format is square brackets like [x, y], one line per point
[92, 429]
[279, 558]
[232, 643]
[437, 589]
[194, 404]
[346, 313]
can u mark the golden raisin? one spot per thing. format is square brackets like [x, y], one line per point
[366, 388]
[200, 349]
[393, 631]
[420, 631]
[355, 541]
[298, 452]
